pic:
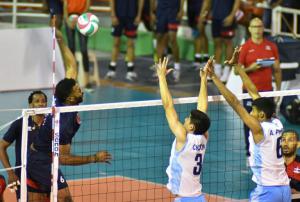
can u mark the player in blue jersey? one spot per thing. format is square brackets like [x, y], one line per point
[197, 23]
[266, 160]
[125, 16]
[168, 16]
[190, 142]
[223, 30]
[37, 99]
[67, 93]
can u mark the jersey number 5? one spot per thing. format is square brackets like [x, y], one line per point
[198, 167]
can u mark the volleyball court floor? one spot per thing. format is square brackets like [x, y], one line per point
[225, 176]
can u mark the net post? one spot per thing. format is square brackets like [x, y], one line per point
[24, 155]
[55, 153]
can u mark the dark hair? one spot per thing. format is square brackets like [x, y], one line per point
[266, 105]
[291, 131]
[64, 89]
[37, 92]
[200, 120]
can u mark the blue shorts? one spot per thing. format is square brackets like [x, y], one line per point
[39, 173]
[166, 20]
[200, 198]
[193, 13]
[125, 25]
[271, 193]
[219, 31]
[55, 7]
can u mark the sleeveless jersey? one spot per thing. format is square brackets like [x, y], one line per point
[266, 161]
[185, 166]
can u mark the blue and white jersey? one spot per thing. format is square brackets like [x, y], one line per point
[185, 166]
[266, 161]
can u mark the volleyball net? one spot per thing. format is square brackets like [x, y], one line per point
[139, 139]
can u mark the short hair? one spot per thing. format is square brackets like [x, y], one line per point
[200, 120]
[266, 105]
[36, 92]
[64, 89]
[291, 131]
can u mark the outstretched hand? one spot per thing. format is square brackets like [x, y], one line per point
[161, 67]
[103, 156]
[235, 57]
[209, 67]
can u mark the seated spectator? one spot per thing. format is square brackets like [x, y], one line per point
[292, 160]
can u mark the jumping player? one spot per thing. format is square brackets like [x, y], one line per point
[189, 146]
[266, 160]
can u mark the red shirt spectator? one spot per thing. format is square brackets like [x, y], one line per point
[262, 77]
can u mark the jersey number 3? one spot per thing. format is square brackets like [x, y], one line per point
[198, 167]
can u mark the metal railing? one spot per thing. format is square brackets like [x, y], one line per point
[15, 13]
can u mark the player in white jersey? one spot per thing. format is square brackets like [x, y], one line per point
[266, 161]
[189, 146]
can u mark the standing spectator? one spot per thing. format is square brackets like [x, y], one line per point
[197, 23]
[168, 16]
[292, 160]
[223, 31]
[55, 7]
[36, 99]
[125, 16]
[258, 48]
[77, 7]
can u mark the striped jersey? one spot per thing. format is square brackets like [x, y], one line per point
[266, 161]
[185, 166]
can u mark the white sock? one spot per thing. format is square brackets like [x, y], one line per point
[225, 74]
[177, 66]
[112, 63]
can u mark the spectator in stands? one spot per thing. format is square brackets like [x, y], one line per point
[55, 7]
[168, 16]
[292, 160]
[77, 8]
[36, 99]
[260, 59]
[197, 23]
[125, 16]
[223, 31]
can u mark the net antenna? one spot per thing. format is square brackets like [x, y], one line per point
[55, 120]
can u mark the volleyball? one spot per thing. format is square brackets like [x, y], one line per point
[88, 24]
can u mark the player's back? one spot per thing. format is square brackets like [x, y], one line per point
[185, 166]
[266, 160]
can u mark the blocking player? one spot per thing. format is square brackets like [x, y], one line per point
[266, 160]
[190, 142]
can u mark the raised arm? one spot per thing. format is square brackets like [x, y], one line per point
[277, 75]
[202, 104]
[68, 57]
[232, 100]
[238, 69]
[172, 117]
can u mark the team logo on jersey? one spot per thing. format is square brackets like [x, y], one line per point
[268, 47]
[297, 170]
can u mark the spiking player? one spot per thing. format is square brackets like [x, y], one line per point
[189, 146]
[266, 160]
[67, 93]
